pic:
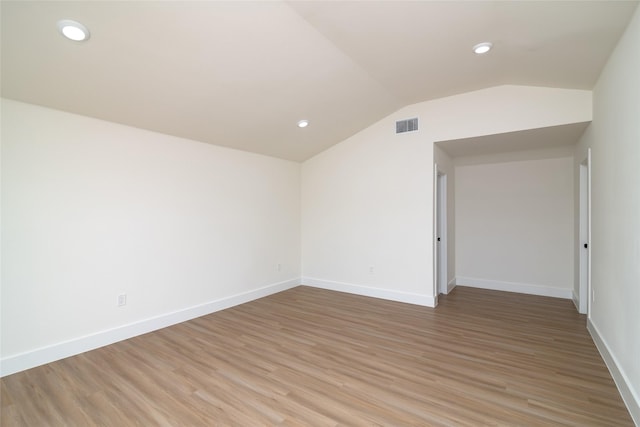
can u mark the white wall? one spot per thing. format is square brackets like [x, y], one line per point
[368, 204]
[92, 209]
[368, 201]
[514, 226]
[614, 137]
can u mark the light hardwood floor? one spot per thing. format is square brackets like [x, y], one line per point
[313, 357]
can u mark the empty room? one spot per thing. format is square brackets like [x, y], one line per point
[320, 213]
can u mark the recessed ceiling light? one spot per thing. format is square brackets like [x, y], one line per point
[481, 48]
[73, 30]
[303, 123]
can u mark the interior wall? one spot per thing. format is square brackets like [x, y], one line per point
[446, 165]
[514, 226]
[93, 209]
[364, 202]
[368, 201]
[614, 139]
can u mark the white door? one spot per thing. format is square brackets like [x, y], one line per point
[585, 297]
[441, 233]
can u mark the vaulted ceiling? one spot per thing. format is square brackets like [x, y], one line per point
[242, 73]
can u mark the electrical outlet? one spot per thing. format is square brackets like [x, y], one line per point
[371, 270]
[279, 267]
[122, 300]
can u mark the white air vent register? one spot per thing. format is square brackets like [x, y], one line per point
[408, 125]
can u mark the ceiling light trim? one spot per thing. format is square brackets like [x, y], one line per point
[482, 48]
[73, 30]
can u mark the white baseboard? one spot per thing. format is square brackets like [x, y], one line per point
[629, 395]
[522, 288]
[418, 299]
[41, 356]
[452, 284]
[576, 300]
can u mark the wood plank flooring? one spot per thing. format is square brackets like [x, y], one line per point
[311, 357]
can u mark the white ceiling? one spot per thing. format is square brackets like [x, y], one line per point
[242, 73]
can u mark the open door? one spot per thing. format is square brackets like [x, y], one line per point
[441, 234]
[585, 297]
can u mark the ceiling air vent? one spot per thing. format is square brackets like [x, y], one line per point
[408, 125]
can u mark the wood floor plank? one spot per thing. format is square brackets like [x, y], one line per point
[312, 357]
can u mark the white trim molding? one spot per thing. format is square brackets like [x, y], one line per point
[522, 288]
[368, 291]
[629, 395]
[451, 285]
[23, 361]
[576, 300]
